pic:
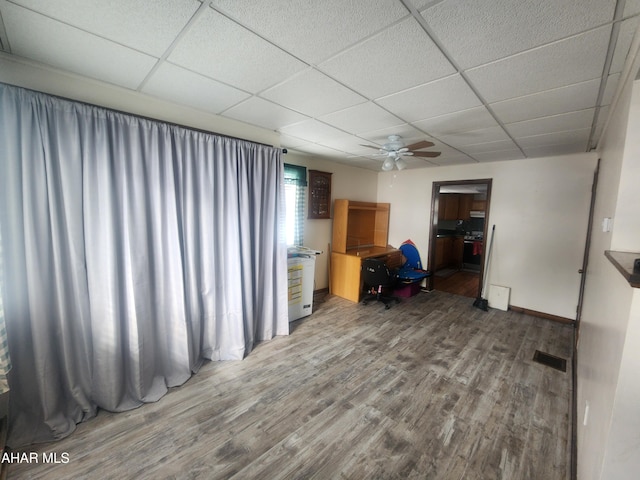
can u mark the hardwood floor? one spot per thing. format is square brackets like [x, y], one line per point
[461, 283]
[431, 389]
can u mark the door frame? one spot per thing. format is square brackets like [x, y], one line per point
[433, 224]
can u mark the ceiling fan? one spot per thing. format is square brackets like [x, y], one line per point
[395, 149]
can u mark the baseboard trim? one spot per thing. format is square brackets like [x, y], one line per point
[321, 291]
[547, 316]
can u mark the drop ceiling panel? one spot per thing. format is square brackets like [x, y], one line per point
[472, 119]
[314, 131]
[499, 156]
[263, 113]
[362, 118]
[51, 42]
[485, 135]
[631, 7]
[221, 49]
[555, 150]
[625, 36]
[551, 102]
[562, 63]
[408, 133]
[146, 25]
[483, 31]
[556, 138]
[399, 57]
[556, 123]
[443, 96]
[312, 93]
[313, 30]
[321, 150]
[182, 86]
[498, 146]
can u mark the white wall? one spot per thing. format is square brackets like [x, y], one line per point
[540, 208]
[609, 341]
[346, 182]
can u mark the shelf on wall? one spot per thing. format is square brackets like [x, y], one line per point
[623, 261]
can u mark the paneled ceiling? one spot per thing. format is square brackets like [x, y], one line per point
[484, 80]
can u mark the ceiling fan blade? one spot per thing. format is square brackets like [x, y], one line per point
[371, 146]
[427, 154]
[403, 149]
[419, 145]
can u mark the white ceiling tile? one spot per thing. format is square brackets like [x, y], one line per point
[146, 25]
[313, 30]
[221, 49]
[551, 102]
[408, 133]
[314, 131]
[485, 135]
[321, 150]
[478, 32]
[472, 119]
[514, 154]
[610, 88]
[631, 7]
[182, 86]
[291, 142]
[443, 96]
[312, 93]
[625, 36]
[574, 60]
[263, 113]
[48, 41]
[556, 138]
[399, 57]
[555, 150]
[498, 146]
[555, 123]
[362, 118]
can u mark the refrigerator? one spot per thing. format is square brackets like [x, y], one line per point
[301, 264]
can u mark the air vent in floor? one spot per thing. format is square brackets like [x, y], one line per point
[550, 360]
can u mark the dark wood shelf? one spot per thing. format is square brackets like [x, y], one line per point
[623, 261]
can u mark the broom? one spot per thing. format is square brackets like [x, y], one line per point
[481, 302]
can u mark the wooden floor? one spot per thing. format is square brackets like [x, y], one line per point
[431, 389]
[461, 282]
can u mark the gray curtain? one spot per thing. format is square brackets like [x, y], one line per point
[133, 251]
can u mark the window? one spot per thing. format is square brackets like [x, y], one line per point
[295, 181]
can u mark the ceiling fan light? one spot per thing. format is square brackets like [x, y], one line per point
[387, 165]
[401, 164]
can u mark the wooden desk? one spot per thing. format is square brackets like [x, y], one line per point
[345, 268]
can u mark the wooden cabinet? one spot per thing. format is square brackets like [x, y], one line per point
[360, 230]
[464, 206]
[448, 206]
[456, 206]
[449, 252]
[479, 205]
[457, 252]
[319, 194]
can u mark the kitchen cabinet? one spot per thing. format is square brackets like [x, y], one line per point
[448, 206]
[479, 205]
[464, 206]
[449, 252]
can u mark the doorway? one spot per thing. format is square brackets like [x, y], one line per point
[458, 230]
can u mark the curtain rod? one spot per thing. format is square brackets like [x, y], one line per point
[143, 117]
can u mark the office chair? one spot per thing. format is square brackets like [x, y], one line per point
[378, 280]
[411, 271]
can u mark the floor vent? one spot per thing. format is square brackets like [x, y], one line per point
[550, 360]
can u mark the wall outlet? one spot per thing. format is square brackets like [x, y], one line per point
[585, 420]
